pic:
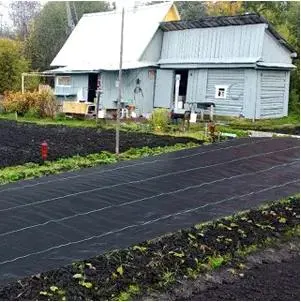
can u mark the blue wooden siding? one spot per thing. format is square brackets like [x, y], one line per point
[196, 86]
[273, 52]
[234, 79]
[231, 44]
[164, 88]
[273, 93]
[78, 81]
[153, 50]
[143, 101]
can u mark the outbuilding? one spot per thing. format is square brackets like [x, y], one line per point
[240, 63]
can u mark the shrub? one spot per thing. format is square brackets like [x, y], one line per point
[33, 104]
[160, 119]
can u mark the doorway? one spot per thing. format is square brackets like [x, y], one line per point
[92, 86]
[180, 89]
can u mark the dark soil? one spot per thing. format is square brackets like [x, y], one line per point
[20, 142]
[268, 281]
[156, 264]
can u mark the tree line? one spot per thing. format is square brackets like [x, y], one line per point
[39, 31]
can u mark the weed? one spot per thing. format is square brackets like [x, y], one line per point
[282, 220]
[128, 295]
[180, 255]
[215, 261]
[167, 279]
[139, 248]
[247, 250]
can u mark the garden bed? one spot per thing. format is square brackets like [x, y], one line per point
[20, 142]
[155, 265]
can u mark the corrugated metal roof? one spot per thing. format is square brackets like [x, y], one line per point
[217, 21]
[95, 42]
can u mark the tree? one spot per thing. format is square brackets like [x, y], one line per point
[49, 30]
[12, 64]
[190, 10]
[227, 8]
[22, 13]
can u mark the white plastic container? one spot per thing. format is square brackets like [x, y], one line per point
[193, 117]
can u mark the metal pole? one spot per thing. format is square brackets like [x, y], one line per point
[97, 105]
[119, 86]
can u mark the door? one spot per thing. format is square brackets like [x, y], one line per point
[164, 88]
[92, 87]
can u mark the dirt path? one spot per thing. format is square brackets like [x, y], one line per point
[268, 281]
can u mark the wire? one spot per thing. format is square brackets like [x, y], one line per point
[137, 181]
[142, 199]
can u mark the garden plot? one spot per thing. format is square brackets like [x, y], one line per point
[87, 213]
[175, 259]
[21, 142]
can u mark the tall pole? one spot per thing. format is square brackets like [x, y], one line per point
[119, 86]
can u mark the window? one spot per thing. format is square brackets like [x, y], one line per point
[63, 81]
[221, 91]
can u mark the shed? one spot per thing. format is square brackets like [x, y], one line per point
[238, 62]
[90, 57]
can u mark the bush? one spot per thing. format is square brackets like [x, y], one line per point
[294, 102]
[160, 119]
[33, 104]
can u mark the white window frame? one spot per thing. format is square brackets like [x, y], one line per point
[217, 88]
[57, 81]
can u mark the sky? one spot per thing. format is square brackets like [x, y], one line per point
[4, 7]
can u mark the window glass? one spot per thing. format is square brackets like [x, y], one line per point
[64, 81]
[220, 91]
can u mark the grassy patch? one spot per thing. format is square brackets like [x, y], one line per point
[33, 170]
[157, 264]
[287, 124]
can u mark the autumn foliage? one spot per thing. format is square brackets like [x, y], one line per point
[38, 104]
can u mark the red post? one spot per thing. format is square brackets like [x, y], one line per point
[44, 150]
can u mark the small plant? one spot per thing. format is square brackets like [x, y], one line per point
[54, 293]
[139, 248]
[160, 119]
[215, 262]
[167, 278]
[282, 220]
[128, 295]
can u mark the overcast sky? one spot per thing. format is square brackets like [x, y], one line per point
[4, 6]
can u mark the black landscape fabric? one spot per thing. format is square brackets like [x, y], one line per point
[52, 221]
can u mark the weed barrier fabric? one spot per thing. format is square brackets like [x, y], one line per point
[53, 221]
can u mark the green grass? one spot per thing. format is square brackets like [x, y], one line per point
[34, 170]
[290, 122]
[50, 121]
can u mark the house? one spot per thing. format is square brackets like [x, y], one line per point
[238, 62]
